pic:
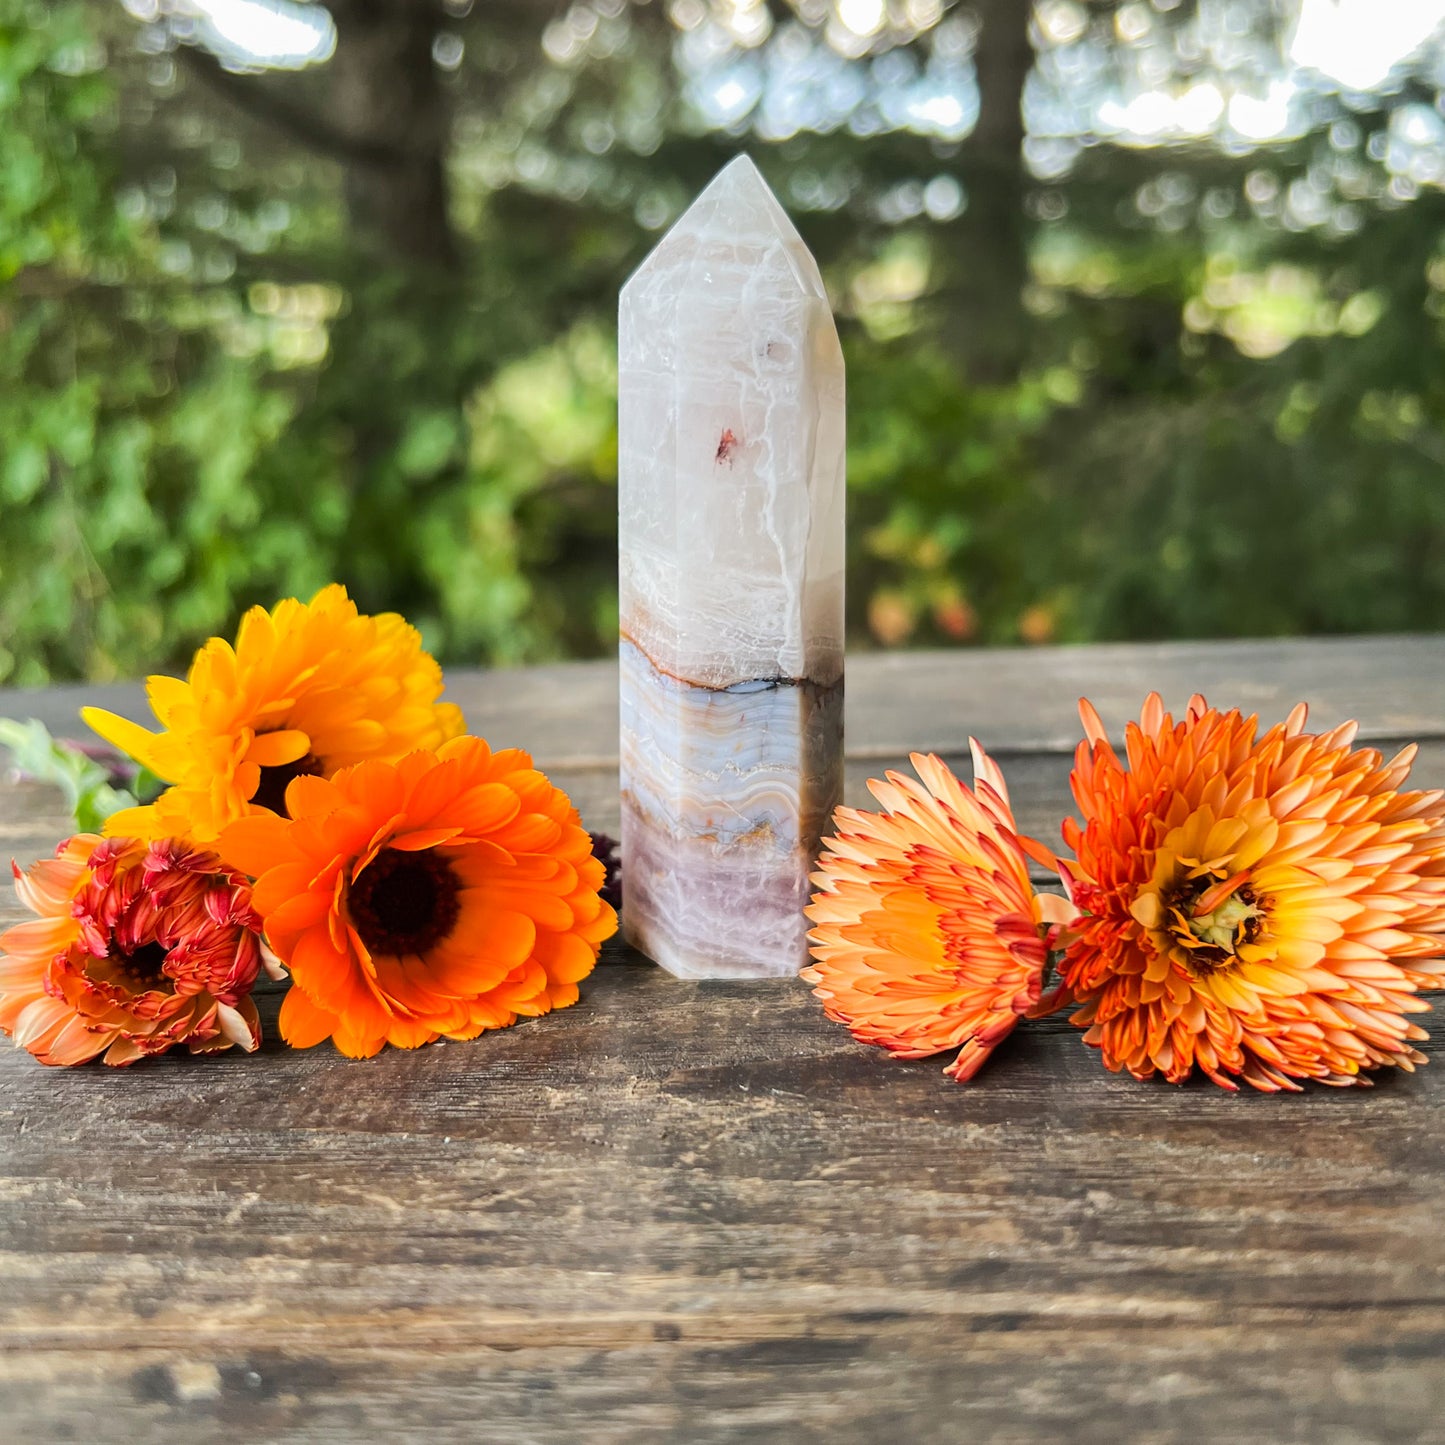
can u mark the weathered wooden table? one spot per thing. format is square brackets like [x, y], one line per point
[702, 1213]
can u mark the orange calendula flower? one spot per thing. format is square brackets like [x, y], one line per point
[929, 935]
[308, 688]
[1264, 907]
[137, 947]
[444, 894]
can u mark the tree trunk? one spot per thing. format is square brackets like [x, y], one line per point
[386, 92]
[988, 272]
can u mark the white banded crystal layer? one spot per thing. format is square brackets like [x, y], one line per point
[731, 513]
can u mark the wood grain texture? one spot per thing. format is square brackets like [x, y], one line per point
[699, 1212]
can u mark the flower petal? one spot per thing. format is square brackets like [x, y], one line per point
[302, 1023]
[255, 844]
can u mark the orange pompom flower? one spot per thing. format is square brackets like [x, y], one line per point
[443, 894]
[137, 947]
[929, 935]
[307, 689]
[1264, 907]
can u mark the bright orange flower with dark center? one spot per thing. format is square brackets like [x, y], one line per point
[444, 894]
[136, 948]
[308, 688]
[929, 933]
[1264, 907]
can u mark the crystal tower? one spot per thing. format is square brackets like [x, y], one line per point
[730, 534]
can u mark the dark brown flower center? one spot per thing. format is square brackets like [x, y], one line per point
[404, 902]
[141, 969]
[271, 790]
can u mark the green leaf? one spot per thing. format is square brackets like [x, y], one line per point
[86, 784]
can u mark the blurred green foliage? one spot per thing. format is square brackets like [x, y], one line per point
[220, 383]
[136, 502]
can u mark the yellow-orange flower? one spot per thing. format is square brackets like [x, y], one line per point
[929, 935]
[1264, 907]
[135, 948]
[444, 894]
[307, 689]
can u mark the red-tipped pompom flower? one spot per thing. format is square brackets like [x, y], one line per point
[136, 947]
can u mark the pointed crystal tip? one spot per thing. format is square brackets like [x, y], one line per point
[740, 176]
[740, 190]
[738, 209]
